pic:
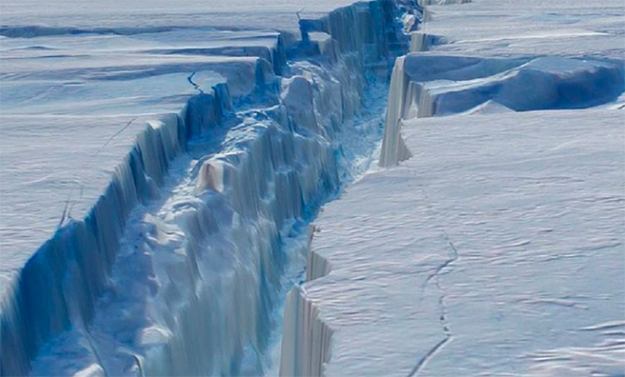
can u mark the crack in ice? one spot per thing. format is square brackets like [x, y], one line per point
[196, 86]
[452, 257]
[428, 356]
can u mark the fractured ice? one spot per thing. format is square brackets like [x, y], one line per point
[171, 262]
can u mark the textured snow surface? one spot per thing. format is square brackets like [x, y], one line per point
[34, 16]
[497, 249]
[506, 28]
[160, 163]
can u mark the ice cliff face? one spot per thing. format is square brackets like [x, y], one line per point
[176, 268]
[430, 85]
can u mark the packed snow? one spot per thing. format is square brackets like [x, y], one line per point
[509, 28]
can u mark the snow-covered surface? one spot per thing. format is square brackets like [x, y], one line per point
[497, 249]
[491, 240]
[36, 184]
[33, 16]
[506, 28]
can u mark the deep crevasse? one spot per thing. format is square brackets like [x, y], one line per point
[177, 268]
[422, 86]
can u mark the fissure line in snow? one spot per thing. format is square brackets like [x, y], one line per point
[435, 276]
[442, 310]
[196, 86]
[69, 204]
[415, 371]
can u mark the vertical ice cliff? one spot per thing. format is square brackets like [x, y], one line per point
[306, 343]
[426, 85]
[177, 267]
[305, 338]
[393, 147]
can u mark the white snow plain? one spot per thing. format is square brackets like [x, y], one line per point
[492, 239]
[508, 28]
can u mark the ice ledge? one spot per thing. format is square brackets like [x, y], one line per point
[427, 85]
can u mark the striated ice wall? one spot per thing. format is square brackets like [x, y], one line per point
[426, 85]
[393, 147]
[176, 269]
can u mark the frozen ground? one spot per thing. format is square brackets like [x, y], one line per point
[491, 240]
